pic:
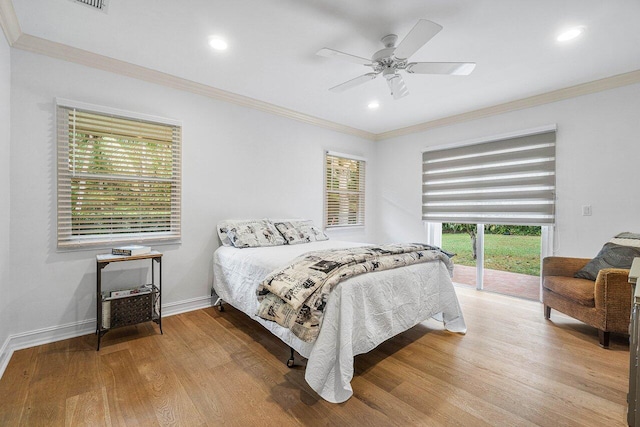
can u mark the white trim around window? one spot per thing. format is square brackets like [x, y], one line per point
[344, 190]
[118, 176]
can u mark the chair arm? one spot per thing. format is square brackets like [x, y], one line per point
[562, 266]
[613, 290]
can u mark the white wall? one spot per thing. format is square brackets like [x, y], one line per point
[597, 164]
[237, 163]
[5, 134]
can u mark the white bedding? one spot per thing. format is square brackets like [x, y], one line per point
[358, 315]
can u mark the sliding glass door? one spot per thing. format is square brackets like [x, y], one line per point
[497, 258]
[491, 187]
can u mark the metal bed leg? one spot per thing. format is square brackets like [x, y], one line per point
[218, 301]
[290, 362]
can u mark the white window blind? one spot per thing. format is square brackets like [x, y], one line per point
[119, 178]
[344, 191]
[507, 181]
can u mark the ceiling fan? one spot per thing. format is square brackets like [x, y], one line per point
[392, 58]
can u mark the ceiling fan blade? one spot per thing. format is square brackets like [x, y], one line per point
[354, 82]
[331, 53]
[397, 86]
[421, 33]
[452, 68]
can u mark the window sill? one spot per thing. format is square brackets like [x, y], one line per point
[345, 227]
[102, 245]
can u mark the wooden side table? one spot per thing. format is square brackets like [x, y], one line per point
[131, 309]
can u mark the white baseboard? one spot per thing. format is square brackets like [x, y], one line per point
[83, 327]
[186, 305]
[5, 356]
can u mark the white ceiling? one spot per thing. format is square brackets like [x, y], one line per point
[272, 45]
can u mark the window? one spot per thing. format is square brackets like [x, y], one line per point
[505, 181]
[344, 191]
[119, 176]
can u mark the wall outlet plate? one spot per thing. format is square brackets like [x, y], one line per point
[586, 210]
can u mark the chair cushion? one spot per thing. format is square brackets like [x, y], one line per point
[578, 290]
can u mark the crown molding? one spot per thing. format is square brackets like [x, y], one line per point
[68, 53]
[9, 21]
[607, 83]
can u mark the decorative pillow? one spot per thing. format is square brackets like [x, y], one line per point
[250, 233]
[611, 255]
[303, 231]
[290, 233]
[222, 232]
[314, 233]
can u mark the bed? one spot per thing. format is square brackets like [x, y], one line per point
[360, 313]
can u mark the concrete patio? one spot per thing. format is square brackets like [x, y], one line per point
[503, 282]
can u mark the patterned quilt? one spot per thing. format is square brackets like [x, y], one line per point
[295, 296]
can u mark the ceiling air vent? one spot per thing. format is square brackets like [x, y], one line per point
[94, 4]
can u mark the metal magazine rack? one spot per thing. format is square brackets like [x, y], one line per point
[131, 306]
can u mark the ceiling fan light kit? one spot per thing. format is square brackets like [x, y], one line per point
[392, 58]
[397, 86]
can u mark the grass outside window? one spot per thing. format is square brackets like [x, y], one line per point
[516, 254]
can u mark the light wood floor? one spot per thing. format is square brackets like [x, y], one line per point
[512, 368]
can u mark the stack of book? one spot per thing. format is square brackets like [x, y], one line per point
[121, 293]
[131, 250]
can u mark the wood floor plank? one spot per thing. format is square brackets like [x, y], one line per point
[15, 388]
[201, 386]
[83, 368]
[574, 383]
[228, 383]
[46, 398]
[214, 368]
[437, 407]
[88, 408]
[474, 404]
[171, 402]
[508, 397]
[244, 330]
[128, 393]
[383, 401]
[199, 379]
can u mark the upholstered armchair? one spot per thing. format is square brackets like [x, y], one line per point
[604, 303]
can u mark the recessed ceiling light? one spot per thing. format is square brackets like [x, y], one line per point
[217, 43]
[373, 105]
[570, 34]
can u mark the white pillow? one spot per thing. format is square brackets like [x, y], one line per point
[315, 233]
[290, 233]
[252, 233]
[223, 226]
[300, 231]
